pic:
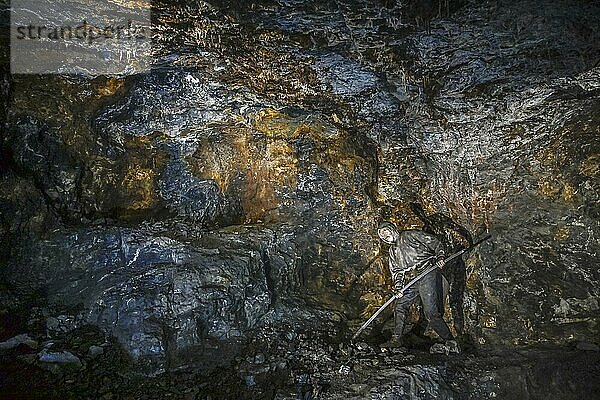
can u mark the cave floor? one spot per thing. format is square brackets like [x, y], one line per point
[307, 367]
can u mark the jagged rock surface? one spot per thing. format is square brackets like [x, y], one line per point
[237, 185]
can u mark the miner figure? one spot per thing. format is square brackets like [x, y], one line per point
[411, 252]
[455, 238]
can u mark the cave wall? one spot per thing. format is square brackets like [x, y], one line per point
[308, 123]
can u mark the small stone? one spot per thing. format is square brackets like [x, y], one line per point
[344, 369]
[362, 346]
[359, 388]
[452, 346]
[438, 348]
[587, 346]
[281, 365]
[13, 342]
[95, 351]
[250, 380]
[52, 324]
[62, 357]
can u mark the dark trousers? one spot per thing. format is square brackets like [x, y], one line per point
[429, 291]
[456, 273]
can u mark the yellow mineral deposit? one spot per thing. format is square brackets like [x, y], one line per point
[591, 166]
[139, 183]
[111, 86]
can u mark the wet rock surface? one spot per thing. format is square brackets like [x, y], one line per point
[207, 229]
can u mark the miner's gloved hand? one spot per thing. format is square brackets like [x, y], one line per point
[440, 263]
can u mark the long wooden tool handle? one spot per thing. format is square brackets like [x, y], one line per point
[415, 279]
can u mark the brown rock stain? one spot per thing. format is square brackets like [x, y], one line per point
[252, 169]
[140, 173]
[274, 124]
[139, 182]
[556, 188]
[488, 321]
[473, 281]
[590, 167]
[372, 302]
[261, 169]
[275, 171]
[111, 86]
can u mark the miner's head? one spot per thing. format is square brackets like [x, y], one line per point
[387, 232]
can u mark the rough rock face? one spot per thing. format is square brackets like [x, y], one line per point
[153, 293]
[237, 186]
